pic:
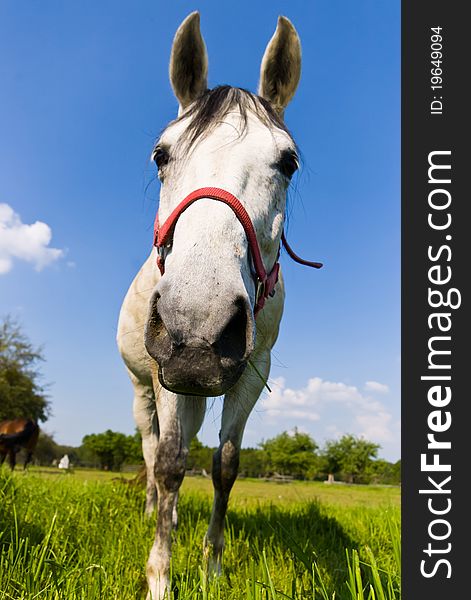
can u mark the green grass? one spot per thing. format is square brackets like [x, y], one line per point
[83, 535]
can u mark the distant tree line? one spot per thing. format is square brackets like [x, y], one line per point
[290, 454]
[110, 451]
[295, 454]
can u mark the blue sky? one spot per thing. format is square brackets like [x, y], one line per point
[84, 94]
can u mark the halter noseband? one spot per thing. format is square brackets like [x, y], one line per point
[265, 283]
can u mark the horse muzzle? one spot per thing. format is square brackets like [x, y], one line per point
[207, 365]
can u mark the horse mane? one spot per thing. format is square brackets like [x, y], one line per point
[214, 105]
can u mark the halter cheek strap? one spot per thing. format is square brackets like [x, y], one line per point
[265, 282]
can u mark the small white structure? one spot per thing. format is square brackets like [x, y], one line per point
[64, 462]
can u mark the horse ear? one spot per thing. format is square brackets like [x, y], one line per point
[188, 62]
[281, 66]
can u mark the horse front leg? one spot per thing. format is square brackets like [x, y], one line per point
[31, 445]
[29, 456]
[12, 457]
[180, 418]
[238, 404]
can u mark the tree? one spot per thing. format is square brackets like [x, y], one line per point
[291, 454]
[199, 457]
[21, 395]
[382, 471]
[113, 449]
[253, 462]
[46, 449]
[349, 456]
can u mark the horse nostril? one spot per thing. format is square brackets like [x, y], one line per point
[235, 342]
[156, 339]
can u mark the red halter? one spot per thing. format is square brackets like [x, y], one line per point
[265, 283]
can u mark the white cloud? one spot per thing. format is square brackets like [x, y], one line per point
[337, 407]
[376, 427]
[375, 386]
[20, 241]
[283, 401]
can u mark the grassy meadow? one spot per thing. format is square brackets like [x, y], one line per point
[83, 535]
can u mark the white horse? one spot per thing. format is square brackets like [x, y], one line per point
[187, 327]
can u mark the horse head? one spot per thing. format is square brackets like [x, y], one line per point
[201, 327]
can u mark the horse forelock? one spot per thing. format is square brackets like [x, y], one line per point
[208, 110]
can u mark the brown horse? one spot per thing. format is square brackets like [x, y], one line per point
[16, 434]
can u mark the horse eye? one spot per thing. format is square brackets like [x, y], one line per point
[160, 157]
[288, 163]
